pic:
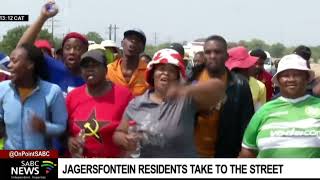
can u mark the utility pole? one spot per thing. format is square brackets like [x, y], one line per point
[51, 25]
[155, 38]
[52, 38]
[110, 31]
[115, 33]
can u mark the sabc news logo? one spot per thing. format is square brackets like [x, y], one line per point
[48, 165]
[33, 167]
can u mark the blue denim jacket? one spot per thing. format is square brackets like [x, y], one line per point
[46, 101]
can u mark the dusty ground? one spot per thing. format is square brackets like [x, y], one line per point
[316, 68]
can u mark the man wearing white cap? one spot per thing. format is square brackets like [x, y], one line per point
[111, 46]
[287, 127]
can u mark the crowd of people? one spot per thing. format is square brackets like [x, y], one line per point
[83, 100]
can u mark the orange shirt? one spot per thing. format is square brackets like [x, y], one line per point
[206, 130]
[137, 84]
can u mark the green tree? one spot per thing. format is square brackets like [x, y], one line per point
[12, 37]
[233, 44]
[277, 50]
[315, 54]
[44, 34]
[242, 43]
[94, 36]
[289, 50]
[256, 43]
[150, 49]
[57, 43]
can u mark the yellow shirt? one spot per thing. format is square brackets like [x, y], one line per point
[258, 91]
[137, 84]
[24, 93]
[206, 130]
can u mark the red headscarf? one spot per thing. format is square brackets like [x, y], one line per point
[76, 35]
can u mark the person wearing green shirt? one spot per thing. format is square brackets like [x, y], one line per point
[289, 126]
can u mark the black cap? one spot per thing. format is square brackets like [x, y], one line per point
[303, 51]
[259, 53]
[96, 55]
[178, 47]
[138, 32]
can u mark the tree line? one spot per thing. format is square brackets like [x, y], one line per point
[12, 36]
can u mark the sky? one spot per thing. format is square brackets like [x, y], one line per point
[291, 22]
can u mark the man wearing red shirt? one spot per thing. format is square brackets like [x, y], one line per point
[260, 73]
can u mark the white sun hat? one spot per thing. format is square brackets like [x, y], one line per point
[292, 61]
[95, 46]
[108, 43]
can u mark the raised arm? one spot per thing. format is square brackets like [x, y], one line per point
[30, 35]
[206, 95]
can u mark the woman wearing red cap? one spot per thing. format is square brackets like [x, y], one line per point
[66, 74]
[166, 112]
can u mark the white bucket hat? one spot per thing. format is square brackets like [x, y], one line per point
[108, 43]
[292, 61]
[95, 46]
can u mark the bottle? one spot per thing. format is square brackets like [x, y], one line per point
[81, 139]
[51, 6]
[133, 130]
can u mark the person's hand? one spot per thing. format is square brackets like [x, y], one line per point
[49, 10]
[38, 124]
[74, 144]
[316, 88]
[126, 141]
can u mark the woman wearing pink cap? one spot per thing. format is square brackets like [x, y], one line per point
[287, 127]
[44, 45]
[241, 62]
[166, 112]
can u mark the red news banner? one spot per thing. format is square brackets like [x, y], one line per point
[29, 164]
[28, 154]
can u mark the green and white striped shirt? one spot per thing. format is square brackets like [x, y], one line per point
[285, 128]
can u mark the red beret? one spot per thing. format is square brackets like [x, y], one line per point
[76, 35]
